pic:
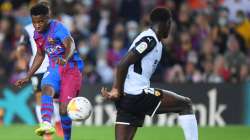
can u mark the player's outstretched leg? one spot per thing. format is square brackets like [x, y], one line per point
[172, 102]
[65, 121]
[46, 111]
[38, 113]
[124, 132]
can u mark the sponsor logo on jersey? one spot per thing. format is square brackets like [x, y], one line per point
[149, 39]
[142, 47]
[149, 91]
[51, 50]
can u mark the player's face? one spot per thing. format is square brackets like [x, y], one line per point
[164, 29]
[40, 22]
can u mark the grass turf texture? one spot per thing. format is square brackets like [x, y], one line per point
[22, 132]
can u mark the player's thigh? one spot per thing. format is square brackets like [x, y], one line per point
[124, 132]
[131, 109]
[71, 81]
[51, 81]
[172, 102]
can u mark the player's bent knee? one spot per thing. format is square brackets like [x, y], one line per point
[188, 109]
[188, 101]
[48, 90]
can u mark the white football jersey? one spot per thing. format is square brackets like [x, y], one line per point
[149, 48]
[43, 68]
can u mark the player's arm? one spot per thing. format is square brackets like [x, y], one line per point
[64, 36]
[122, 69]
[69, 49]
[38, 60]
[120, 76]
[40, 54]
[142, 48]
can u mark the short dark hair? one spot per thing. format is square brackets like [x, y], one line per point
[39, 9]
[160, 14]
[45, 3]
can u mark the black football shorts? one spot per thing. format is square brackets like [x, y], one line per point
[36, 82]
[131, 109]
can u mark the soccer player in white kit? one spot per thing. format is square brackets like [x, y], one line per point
[36, 79]
[131, 89]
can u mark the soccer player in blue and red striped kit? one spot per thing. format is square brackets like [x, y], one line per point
[63, 77]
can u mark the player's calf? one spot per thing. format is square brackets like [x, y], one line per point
[65, 121]
[187, 120]
[63, 108]
[47, 109]
[47, 106]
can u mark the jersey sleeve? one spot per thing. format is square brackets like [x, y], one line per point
[39, 44]
[61, 32]
[144, 46]
[38, 40]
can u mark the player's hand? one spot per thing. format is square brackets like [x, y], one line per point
[61, 61]
[21, 82]
[110, 95]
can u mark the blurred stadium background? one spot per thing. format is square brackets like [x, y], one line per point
[208, 60]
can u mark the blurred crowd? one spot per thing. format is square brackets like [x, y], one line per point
[209, 40]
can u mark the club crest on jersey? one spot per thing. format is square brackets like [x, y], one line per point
[142, 47]
[157, 93]
[51, 40]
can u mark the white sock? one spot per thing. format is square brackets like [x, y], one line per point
[189, 126]
[38, 113]
[56, 114]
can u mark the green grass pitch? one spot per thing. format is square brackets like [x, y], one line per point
[22, 132]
